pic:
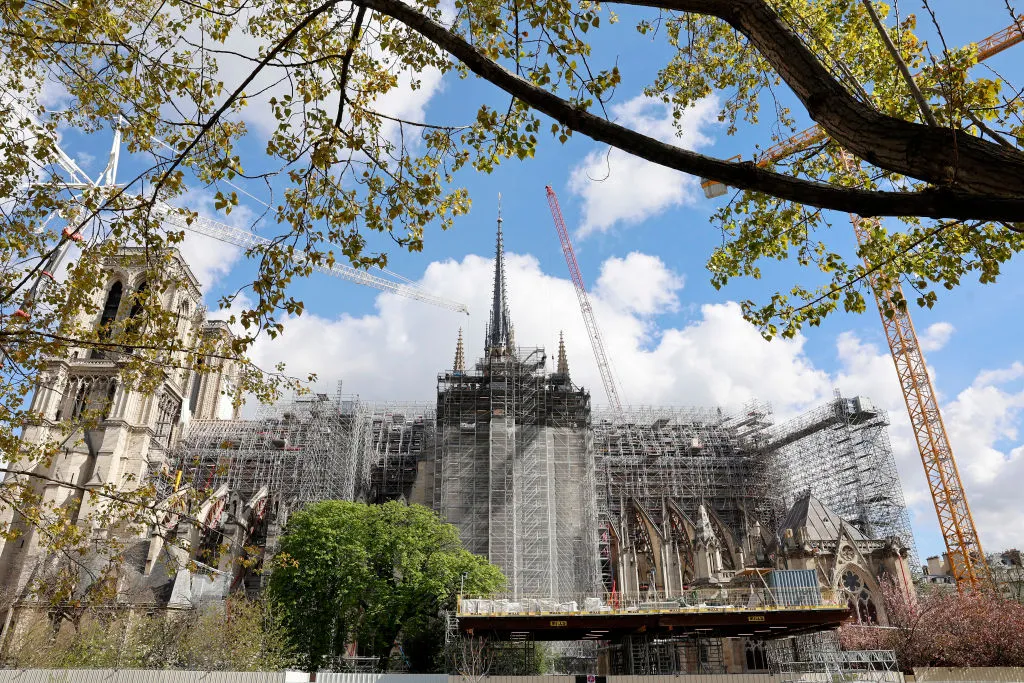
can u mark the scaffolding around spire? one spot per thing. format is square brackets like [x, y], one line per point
[499, 327]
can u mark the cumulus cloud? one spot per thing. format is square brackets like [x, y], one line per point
[241, 51]
[210, 259]
[617, 187]
[397, 351]
[936, 336]
[640, 283]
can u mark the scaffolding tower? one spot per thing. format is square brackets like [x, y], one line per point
[300, 450]
[841, 453]
[307, 449]
[514, 471]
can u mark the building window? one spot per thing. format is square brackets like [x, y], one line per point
[757, 658]
[197, 383]
[81, 398]
[134, 315]
[110, 308]
[109, 315]
[862, 606]
[140, 293]
[168, 414]
[111, 392]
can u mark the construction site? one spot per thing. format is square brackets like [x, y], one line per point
[635, 540]
[644, 540]
[611, 511]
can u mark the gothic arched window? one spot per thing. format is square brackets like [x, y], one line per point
[134, 315]
[197, 379]
[140, 291]
[757, 658]
[111, 393]
[110, 308]
[859, 600]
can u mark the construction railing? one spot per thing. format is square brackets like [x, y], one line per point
[689, 600]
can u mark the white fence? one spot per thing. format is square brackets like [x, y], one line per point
[1004, 674]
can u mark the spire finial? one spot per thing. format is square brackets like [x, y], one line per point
[563, 361]
[460, 355]
[499, 328]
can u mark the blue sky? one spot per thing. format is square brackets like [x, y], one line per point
[642, 238]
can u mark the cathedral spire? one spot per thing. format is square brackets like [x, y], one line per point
[499, 328]
[460, 356]
[563, 361]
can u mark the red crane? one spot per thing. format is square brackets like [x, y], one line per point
[596, 342]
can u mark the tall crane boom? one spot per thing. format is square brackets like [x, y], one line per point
[594, 332]
[963, 547]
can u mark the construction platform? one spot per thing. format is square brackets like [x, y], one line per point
[705, 613]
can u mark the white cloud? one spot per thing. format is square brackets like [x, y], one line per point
[640, 283]
[240, 53]
[211, 259]
[617, 187]
[396, 352]
[936, 336]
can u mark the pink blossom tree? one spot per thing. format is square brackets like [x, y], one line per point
[944, 628]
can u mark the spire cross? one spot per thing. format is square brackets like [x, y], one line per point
[563, 360]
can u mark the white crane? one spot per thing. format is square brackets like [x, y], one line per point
[244, 238]
[203, 226]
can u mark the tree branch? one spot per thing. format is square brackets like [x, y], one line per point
[1002, 203]
[940, 156]
[908, 77]
[346, 61]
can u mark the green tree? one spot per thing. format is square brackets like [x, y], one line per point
[374, 575]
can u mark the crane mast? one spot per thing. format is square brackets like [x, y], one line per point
[963, 547]
[593, 331]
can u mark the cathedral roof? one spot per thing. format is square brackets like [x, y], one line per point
[819, 521]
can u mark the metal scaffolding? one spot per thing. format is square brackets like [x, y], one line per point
[514, 471]
[841, 453]
[308, 449]
[661, 466]
[818, 657]
[299, 450]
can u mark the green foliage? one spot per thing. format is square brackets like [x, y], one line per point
[372, 574]
[240, 635]
[757, 229]
[515, 659]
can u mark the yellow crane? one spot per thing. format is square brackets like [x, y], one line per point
[966, 557]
